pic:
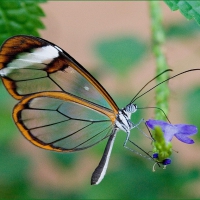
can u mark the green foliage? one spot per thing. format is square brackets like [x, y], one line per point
[14, 181]
[121, 53]
[182, 29]
[192, 107]
[20, 17]
[131, 179]
[8, 129]
[190, 9]
[63, 158]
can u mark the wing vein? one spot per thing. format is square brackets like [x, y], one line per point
[49, 124]
[94, 137]
[70, 134]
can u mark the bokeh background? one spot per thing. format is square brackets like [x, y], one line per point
[112, 40]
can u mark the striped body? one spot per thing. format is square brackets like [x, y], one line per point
[123, 118]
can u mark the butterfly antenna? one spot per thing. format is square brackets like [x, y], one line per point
[136, 97]
[148, 83]
[158, 109]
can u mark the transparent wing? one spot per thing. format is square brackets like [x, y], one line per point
[61, 122]
[29, 65]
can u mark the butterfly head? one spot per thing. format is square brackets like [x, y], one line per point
[130, 108]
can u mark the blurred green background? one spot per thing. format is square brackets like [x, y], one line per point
[112, 40]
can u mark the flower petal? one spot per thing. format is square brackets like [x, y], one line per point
[180, 131]
[186, 129]
[151, 123]
[168, 129]
[169, 132]
[184, 138]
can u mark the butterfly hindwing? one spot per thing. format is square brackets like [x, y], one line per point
[61, 122]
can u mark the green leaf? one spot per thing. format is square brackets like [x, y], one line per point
[182, 29]
[121, 53]
[33, 8]
[14, 182]
[7, 125]
[65, 159]
[192, 107]
[20, 17]
[190, 9]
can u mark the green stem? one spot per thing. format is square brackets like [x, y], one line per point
[158, 39]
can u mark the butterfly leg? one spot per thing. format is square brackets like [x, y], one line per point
[132, 127]
[149, 137]
[136, 152]
[127, 139]
[137, 126]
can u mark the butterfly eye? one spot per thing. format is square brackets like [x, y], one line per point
[131, 108]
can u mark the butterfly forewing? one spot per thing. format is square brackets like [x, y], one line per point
[58, 121]
[30, 65]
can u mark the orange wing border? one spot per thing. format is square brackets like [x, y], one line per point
[58, 95]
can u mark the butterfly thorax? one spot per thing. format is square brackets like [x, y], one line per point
[123, 118]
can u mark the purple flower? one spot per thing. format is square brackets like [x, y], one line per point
[166, 161]
[180, 131]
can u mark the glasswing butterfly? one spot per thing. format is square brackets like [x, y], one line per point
[62, 107]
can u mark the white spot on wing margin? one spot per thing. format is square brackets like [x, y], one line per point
[39, 55]
[46, 53]
[59, 49]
